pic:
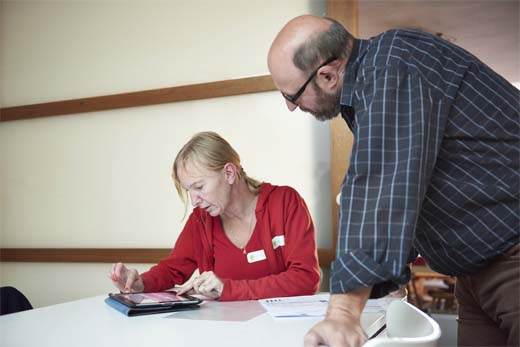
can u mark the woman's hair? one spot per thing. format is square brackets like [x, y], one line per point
[210, 151]
[322, 46]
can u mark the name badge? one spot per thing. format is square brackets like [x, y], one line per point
[256, 256]
[278, 241]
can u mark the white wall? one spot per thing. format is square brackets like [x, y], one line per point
[102, 179]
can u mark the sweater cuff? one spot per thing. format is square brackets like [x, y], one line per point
[150, 285]
[226, 291]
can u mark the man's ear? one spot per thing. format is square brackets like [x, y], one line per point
[328, 78]
[230, 173]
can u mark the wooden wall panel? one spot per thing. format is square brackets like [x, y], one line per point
[341, 138]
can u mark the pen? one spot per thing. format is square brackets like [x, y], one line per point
[379, 331]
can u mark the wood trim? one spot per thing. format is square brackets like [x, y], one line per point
[141, 98]
[83, 255]
[326, 256]
[346, 12]
[105, 255]
[341, 139]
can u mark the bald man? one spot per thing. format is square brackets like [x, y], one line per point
[434, 169]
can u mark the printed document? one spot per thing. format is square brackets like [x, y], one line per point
[313, 306]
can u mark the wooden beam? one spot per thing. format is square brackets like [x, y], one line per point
[83, 255]
[326, 256]
[105, 255]
[141, 98]
[341, 138]
[346, 12]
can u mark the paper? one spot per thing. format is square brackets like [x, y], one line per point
[312, 306]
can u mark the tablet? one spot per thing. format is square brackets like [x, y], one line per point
[155, 299]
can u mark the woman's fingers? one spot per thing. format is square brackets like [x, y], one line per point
[192, 286]
[208, 284]
[201, 283]
[115, 277]
[186, 288]
[120, 271]
[124, 279]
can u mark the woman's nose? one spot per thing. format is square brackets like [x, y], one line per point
[195, 200]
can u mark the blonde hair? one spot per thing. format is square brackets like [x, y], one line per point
[209, 150]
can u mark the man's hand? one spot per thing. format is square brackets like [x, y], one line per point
[342, 325]
[336, 332]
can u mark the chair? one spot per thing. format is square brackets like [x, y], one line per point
[429, 290]
[12, 301]
[406, 325]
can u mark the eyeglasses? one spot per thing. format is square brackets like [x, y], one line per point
[292, 98]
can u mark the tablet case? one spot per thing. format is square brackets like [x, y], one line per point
[140, 311]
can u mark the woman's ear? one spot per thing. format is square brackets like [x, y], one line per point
[230, 173]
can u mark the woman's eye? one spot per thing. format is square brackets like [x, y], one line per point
[198, 187]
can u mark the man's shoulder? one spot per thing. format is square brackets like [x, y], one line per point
[397, 36]
[407, 50]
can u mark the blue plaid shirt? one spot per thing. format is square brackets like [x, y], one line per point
[435, 162]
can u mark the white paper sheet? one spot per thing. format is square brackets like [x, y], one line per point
[312, 306]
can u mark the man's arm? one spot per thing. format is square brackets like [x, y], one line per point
[399, 127]
[342, 325]
[398, 132]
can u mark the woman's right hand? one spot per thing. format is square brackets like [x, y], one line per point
[126, 280]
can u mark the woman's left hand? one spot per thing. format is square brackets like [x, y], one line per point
[207, 284]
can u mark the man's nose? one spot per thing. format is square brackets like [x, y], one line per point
[290, 105]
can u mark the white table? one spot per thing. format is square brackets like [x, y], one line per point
[91, 322]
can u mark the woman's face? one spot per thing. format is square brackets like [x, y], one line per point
[209, 190]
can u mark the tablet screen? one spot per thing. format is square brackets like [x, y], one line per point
[153, 298]
[156, 298]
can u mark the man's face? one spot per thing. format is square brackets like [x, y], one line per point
[313, 99]
[326, 106]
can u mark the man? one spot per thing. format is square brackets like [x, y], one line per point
[434, 169]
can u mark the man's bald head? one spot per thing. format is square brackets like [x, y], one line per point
[306, 41]
[310, 51]
[294, 34]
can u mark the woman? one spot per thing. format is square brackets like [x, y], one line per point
[249, 240]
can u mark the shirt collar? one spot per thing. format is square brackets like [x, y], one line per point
[356, 54]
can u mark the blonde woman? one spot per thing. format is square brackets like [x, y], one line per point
[249, 240]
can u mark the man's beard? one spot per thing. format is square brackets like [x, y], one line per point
[328, 105]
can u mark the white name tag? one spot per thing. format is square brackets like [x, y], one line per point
[256, 256]
[278, 241]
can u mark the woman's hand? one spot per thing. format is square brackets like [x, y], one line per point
[126, 280]
[207, 284]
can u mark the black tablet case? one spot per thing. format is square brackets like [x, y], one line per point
[140, 311]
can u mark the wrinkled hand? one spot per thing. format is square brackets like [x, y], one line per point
[126, 280]
[342, 325]
[207, 284]
[336, 332]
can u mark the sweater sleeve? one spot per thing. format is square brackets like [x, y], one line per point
[178, 266]
[301, 274]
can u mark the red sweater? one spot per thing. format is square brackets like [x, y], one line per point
[294, 267]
